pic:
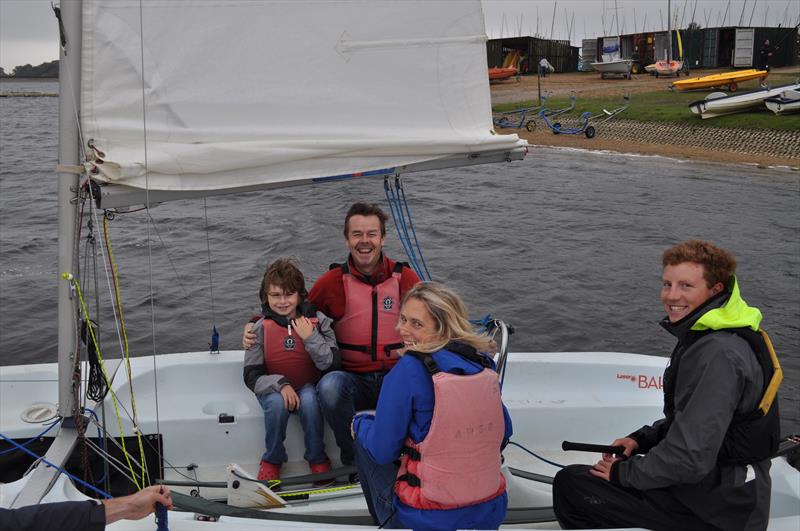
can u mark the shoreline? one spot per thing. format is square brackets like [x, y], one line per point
[699, 142]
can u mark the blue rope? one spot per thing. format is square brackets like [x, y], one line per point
[48, 463]
[537, 456]
[161, 517]
[394, 208]
[36, 437]
[411, 224]
[406, 237]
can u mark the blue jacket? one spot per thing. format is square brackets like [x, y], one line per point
[405, 408]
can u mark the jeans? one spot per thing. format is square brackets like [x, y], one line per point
[276, 418]
[341, 394]
[377, 483]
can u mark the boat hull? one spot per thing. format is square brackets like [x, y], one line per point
[711, 108]
[726, 79]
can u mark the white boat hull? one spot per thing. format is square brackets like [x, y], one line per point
[710, 108]
[786, 102]
[618, 67]
[591, 397]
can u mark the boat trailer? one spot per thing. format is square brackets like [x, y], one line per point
[586, 122]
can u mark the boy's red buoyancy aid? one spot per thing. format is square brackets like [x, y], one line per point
[366, 334]
[458, 462]
[285, 354]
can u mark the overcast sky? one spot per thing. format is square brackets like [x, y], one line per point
[29, 31]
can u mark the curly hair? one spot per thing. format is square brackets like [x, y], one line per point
[284, 274]
[718, 264]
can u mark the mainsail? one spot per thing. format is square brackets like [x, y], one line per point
[192, 96]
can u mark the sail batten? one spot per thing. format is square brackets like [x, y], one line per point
[191, 96]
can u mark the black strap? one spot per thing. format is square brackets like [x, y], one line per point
[357, 348]
[411, 479]
[392, 346]
[412, 453]
[426, 360]
[469, 352]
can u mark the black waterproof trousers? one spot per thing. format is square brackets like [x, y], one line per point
[582, 501]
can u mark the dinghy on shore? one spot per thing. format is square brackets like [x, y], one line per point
[786, 102]
[719, 103]
[730, 80]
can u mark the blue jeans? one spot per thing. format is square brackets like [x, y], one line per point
[377, 482]
[276, 417]
[341, 394]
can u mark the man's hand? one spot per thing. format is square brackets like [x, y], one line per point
[303, 326]
[137, 506]
[602, 469]
[290, 398]
[630, 446]
[248, 337]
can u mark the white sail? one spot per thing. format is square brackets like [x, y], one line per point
[240, 93]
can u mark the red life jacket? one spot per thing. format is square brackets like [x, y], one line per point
[457, 464]
[285, 354]
[366, 334]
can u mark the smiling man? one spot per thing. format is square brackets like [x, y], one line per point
[705, 465]
[363, 297]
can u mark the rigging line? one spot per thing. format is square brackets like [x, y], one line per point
[70, 278]
[149, 217]
[169, 258]
[129, 372]
[108, 455]
[411, 224]
[214, 335]
[406, 237]
[56, 467]
[392, 208]
[111, 461]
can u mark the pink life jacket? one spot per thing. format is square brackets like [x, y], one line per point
[366, 334]
[458, 462]
[285, 354]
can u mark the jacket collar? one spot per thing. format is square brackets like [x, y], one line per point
[376, 277]
[305, 308]
[681, 328]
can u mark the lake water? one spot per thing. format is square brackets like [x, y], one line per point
[565, 245]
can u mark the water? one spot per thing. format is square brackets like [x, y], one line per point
[565, 245]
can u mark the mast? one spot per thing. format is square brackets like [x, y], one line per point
[68, 155]
[669, 29]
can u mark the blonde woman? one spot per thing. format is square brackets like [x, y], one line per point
[440, 414]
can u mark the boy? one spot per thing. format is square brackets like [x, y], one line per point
[293, 344]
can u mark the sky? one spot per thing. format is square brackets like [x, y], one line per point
[29, 31]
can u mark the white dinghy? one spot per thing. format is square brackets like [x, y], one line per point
[786, 102]
[720, 104]
[153, 128]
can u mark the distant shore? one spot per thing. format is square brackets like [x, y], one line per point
[739, 146]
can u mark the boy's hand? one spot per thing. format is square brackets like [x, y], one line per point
[290, 398]
[303, 326]
[248, 338]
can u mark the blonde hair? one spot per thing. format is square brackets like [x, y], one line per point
[450, 314]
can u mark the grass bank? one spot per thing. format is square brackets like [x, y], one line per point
[673, 107]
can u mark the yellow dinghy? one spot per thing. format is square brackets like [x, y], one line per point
[726, 79]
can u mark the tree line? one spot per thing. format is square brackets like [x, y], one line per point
[43, 70]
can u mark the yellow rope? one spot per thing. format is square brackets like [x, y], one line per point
[118, 300]
[315, 491]
[71, 279]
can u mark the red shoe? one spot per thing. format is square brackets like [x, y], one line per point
[319, 468]
[269, 471]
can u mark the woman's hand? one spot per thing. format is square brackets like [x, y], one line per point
[290, 398]
[303, 326]
[248, 337]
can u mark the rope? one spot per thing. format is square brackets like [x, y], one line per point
[536, 455]
[401, 215]
[34, 438]
[70, 278]
[61, 470]
[214, 345]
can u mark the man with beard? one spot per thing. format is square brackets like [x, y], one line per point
[362, 296]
